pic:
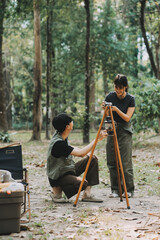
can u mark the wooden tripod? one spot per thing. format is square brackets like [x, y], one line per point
[117, 157]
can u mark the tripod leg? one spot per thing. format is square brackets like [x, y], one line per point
[118, 173]
[119, 158]
[90, 158]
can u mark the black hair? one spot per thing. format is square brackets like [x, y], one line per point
[121, 81]
[61, 121]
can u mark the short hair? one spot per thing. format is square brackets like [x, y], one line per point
[121, 81]
[60, 122]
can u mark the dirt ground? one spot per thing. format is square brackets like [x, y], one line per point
[108, 220]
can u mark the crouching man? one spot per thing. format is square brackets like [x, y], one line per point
[63, 173]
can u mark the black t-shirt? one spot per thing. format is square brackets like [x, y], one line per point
[122, 104]
[61, 148]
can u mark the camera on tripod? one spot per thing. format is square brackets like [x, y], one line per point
[108, 122]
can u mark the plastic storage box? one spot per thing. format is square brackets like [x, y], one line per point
[10, 212]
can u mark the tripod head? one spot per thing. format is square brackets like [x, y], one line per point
[107, 104]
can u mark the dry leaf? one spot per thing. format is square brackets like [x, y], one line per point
[155, 214]
[157, 164]
[140, 235]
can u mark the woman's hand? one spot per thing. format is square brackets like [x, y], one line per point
[114, 108]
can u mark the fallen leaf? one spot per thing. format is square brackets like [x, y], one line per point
[157, 164]
[155, 214]
[140, 229]
[130, 219]
[40, 165]
[140, 235]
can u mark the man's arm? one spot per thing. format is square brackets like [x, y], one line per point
[81, 152]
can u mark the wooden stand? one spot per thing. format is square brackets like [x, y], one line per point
[117, 157]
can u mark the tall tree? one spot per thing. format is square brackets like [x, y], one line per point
[129, 15]
[92, 67]
[36, 134]
[153, 60]
[3, 119]
[152, 49]
[9, 98]
[49, 65]
[87, 74]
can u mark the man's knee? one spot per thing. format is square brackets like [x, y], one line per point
[94, 160]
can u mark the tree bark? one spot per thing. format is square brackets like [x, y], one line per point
[92, 98]
[154, 68]
[8, 96]
[157, 47]
[87, 75]
[105, 81]
[36, 135]
[49, 65]
[3, 115]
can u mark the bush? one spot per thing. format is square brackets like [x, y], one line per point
[147, 112]
[4, 137]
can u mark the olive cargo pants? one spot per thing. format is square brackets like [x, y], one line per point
[124, 137]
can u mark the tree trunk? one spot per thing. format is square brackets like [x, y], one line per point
[3, 116]
[153, 65]
[157, 55]
[54, 86]
[9, 96]
[36, 135]
[87, 75]
[92, 98]
[105, 81]
[49, 65]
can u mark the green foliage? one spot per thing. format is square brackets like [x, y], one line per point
[4, 137]
[113, 45]
[147, 95]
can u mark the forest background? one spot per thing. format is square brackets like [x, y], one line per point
[58, 56]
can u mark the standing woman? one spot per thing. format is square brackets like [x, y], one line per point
[123, 107]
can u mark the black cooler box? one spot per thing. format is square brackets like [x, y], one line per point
[10, 212]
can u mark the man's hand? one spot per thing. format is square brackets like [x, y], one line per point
[103, 134]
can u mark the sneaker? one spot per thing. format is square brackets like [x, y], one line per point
[114, 194]
[130, 194]
[58, 198]
[91, 198]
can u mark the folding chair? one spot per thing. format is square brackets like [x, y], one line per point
[11, 160]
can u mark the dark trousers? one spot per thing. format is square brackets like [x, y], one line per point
[69, 182]
[125, 146]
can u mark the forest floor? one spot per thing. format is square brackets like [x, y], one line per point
[96, 221]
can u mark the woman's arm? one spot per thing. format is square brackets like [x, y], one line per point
[82, 152]
[125, 116]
